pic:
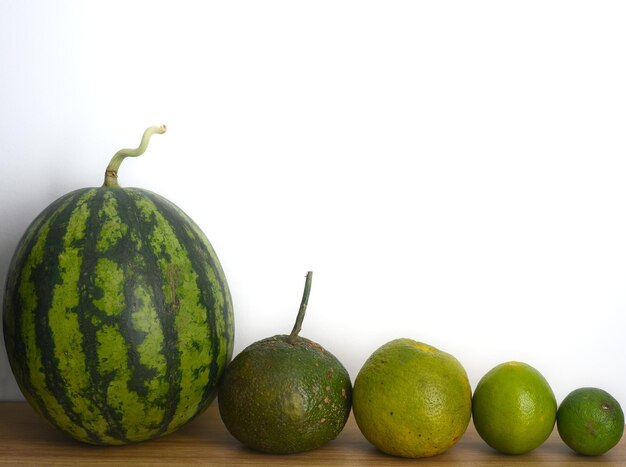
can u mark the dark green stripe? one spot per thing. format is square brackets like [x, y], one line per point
[201, 254]
[150, 385]
[20, 305]
[132, 395]
[142, 230]
[182, 300]
[92, 320]
[13, 304]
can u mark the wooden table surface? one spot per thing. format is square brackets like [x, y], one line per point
[25, 439]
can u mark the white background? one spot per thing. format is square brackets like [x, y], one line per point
[453, 172]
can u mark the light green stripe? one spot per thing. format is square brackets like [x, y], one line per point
[146, 320]
[64, 323]
[37, 376]
[112, 351]
[183, 297]
[137, 413]
[222, 298]
[112, 229]
[109, 278]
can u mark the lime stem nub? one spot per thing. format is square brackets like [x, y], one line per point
[303, 305]
[110, 175]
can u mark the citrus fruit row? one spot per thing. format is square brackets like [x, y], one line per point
[287, 394]
[412, 400]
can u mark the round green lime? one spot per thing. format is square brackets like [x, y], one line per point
[514, 408]
[590, 421]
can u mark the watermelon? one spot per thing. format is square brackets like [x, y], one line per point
[118, 319]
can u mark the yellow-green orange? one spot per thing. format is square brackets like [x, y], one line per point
[411, 399]
[118, 320]
[590, 421]
[514, 408]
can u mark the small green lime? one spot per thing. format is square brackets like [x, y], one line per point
[514, 408]
[590, 421]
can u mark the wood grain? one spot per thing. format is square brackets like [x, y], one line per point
[25, 439]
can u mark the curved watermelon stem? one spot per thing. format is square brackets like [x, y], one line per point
[110, 176]
[302, 311]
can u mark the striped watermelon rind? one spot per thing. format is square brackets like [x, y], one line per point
[118, 319]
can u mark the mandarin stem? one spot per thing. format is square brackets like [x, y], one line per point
[305, 300]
